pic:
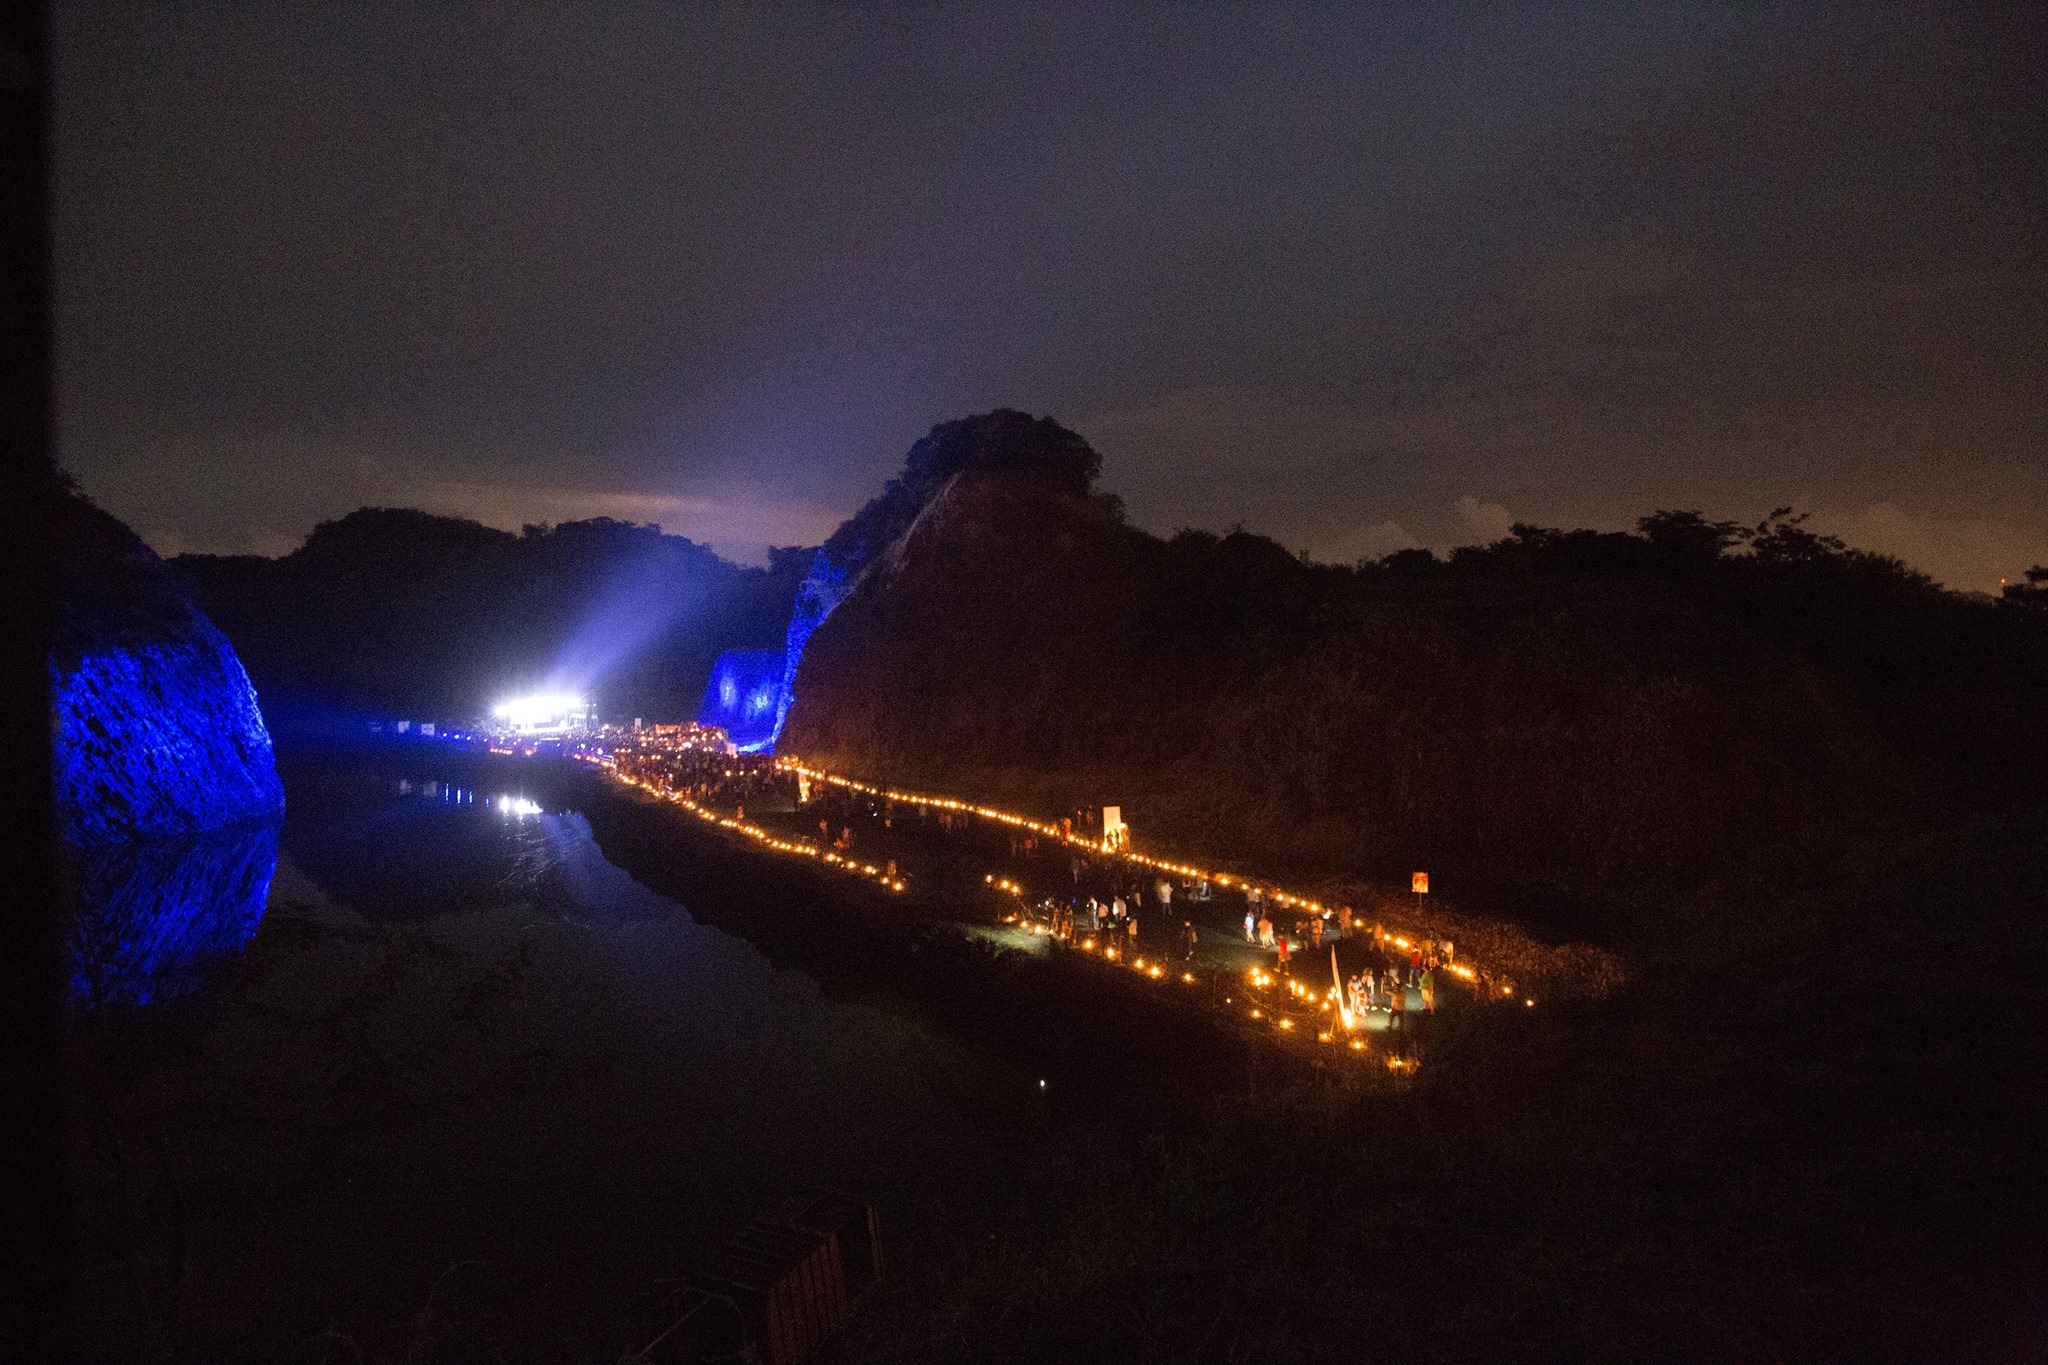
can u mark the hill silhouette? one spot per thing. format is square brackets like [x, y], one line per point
[400, 613]
[1577, 711]
[1580, 710]
[1803, 785]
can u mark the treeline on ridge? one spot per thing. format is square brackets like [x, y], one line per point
[392, 612]
[1574, 710]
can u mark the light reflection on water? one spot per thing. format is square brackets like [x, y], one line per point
[154, 918]
[460, 1031]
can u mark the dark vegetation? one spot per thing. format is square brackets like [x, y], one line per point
[1796, 788]
[399, 613]
[1807, 1128]
[1557, 716]
[1004, 441]
[1809, 1131]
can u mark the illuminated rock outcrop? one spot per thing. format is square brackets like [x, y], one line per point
[1004, 441]
[744, 697]
[155, 914]
[160, 740]
[167, 794]
[157, 730]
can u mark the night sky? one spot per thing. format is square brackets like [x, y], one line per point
[1358, 281]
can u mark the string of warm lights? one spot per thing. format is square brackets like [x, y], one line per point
[1102, 848]
[752, 831]
[1343, 1029]
[1344, 1034]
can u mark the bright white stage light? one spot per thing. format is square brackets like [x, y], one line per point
[545, 711]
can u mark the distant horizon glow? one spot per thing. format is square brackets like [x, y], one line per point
[1357, 278]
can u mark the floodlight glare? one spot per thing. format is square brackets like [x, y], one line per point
[545, 712]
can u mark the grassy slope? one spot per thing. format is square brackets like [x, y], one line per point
[1805, 1128]
[1810, 1129]
[1512, 725]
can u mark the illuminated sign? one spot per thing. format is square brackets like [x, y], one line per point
[1420, 882]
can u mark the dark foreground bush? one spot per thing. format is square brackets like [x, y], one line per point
[1810, 1130]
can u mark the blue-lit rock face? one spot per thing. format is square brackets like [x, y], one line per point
[154, 916]
[824, 588]
[1003, 440]
[159, 740]
[744, 697]
[749, 691]
[167, 793]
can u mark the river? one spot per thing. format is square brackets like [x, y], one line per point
[460, 1042]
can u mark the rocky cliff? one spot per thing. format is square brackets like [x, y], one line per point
[1574, 710]
[157, 730]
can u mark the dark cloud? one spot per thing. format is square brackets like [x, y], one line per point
[1337, 275]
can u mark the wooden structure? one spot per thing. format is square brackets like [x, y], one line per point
[782, 1285]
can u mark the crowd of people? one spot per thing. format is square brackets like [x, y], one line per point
[1108, 898]
[1386, 987]
[1382, 985]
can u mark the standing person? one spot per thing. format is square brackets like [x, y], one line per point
[1449, 956]
[1397, 1005]
[1371, 989]
[1131, 929]
[1164, 890]
[1315, 932]
[1251, 927]
[1187, 939]
[1265, 932]
[1283, 955]
[1429, 990]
